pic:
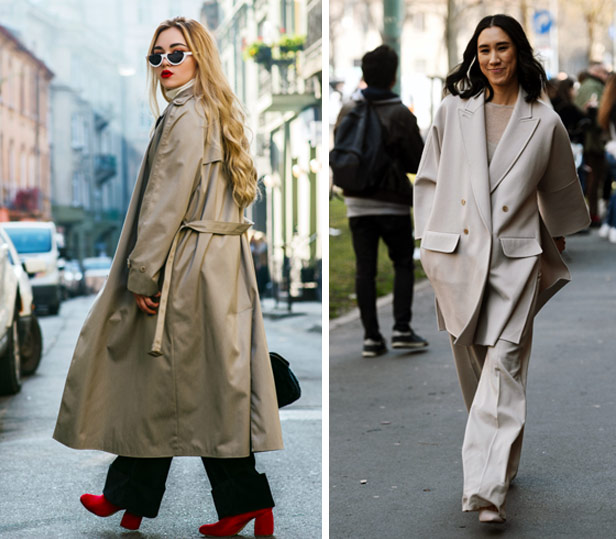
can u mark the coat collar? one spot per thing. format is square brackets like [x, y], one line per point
[516, 136]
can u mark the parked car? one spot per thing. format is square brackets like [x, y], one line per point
[95, 271]
[72, 279]
[38, 240]
[21, 340]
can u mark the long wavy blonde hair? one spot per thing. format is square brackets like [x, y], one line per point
[219, 104]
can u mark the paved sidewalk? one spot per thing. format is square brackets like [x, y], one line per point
[41, 480]
[397, 422]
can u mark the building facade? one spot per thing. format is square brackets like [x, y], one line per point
[25, 172]
[99, 121]
[271, 52]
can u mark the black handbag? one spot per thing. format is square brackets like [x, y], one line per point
[287, 384]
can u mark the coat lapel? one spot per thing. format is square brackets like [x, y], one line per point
[473, 135]
[518, 132]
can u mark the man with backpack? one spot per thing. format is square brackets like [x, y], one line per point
[377, 142]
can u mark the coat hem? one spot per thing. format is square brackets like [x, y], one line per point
[170, 453]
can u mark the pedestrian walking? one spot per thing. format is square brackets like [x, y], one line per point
[383, 210]
[606, 118]
[495, 194]
[172, 359]
[588, 99]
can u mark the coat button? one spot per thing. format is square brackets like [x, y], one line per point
[463, 202]
[142, 269]
[466, 231]
[505, 208]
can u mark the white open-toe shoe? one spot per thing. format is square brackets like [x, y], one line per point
[490, 515]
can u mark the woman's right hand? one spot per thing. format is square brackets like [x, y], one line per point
[146, 303]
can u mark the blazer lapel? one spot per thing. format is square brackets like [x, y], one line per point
[518, 132]
[473, 135]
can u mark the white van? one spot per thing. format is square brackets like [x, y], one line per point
[34, 239]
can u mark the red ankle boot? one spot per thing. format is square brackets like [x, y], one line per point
[102, 507]
[230, 526]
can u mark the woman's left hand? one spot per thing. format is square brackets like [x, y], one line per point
[560, 243]
[147, 303]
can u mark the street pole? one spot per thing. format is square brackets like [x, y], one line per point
[392, 29]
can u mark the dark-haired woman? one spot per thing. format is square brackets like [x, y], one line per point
[495, 194]
[573, 118]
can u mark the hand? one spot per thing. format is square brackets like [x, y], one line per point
[146, 303]
[560, 243]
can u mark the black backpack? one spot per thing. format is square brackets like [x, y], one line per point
[359, 160]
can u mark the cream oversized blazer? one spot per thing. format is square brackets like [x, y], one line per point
[486, 232]
[196, 378]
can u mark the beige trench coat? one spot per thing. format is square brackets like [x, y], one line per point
[486, 232]
[195, 379]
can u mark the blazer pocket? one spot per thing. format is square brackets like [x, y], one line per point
[520, 247]
[442, 242]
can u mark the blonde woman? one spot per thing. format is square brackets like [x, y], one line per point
[172, 359]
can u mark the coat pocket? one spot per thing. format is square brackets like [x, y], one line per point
[442, 242]
[520, 247]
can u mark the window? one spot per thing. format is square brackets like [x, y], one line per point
[419, 22]
[22, 91]
[421, 65]
[76, 189]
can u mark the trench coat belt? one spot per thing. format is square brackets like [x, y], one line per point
[205, 227]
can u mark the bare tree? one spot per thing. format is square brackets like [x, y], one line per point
[595, 12]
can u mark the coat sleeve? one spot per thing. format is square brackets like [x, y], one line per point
[174, 172]
[425, 181]
[560, 198]
[412, 144]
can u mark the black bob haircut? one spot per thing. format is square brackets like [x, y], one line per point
[467, 80]
[379, 66]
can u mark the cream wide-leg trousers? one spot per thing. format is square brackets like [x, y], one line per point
[493, 382]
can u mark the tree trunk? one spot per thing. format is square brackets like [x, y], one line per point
[451, 34]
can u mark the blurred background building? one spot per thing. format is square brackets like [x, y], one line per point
[75, 120]
[277, 44]
[24, 131]
[433, 33]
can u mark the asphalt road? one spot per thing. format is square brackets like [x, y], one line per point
[397, 422]
[41, 480]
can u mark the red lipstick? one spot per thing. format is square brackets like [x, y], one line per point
[166, 74]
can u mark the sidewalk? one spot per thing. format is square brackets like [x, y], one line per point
[397, 422]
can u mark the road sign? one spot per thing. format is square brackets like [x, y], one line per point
[542, 21]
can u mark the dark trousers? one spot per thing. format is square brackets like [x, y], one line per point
[596, 162]
[397, 233]
[138, 485]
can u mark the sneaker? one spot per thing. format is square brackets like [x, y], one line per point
[374, 348]
[407, 339]
[604, 230]
[612, 235]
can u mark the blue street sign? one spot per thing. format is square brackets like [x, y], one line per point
[542, 21]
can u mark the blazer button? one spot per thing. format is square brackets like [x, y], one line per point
[142, 269]
[463, 202]
[466, 231]
[505, 208]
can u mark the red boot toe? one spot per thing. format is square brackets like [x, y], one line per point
[230, 526]
[99, 505]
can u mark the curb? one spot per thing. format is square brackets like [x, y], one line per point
[383, 301]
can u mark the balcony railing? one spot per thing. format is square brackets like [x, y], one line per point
[21, 202]
[105, 167]
[281, 89]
